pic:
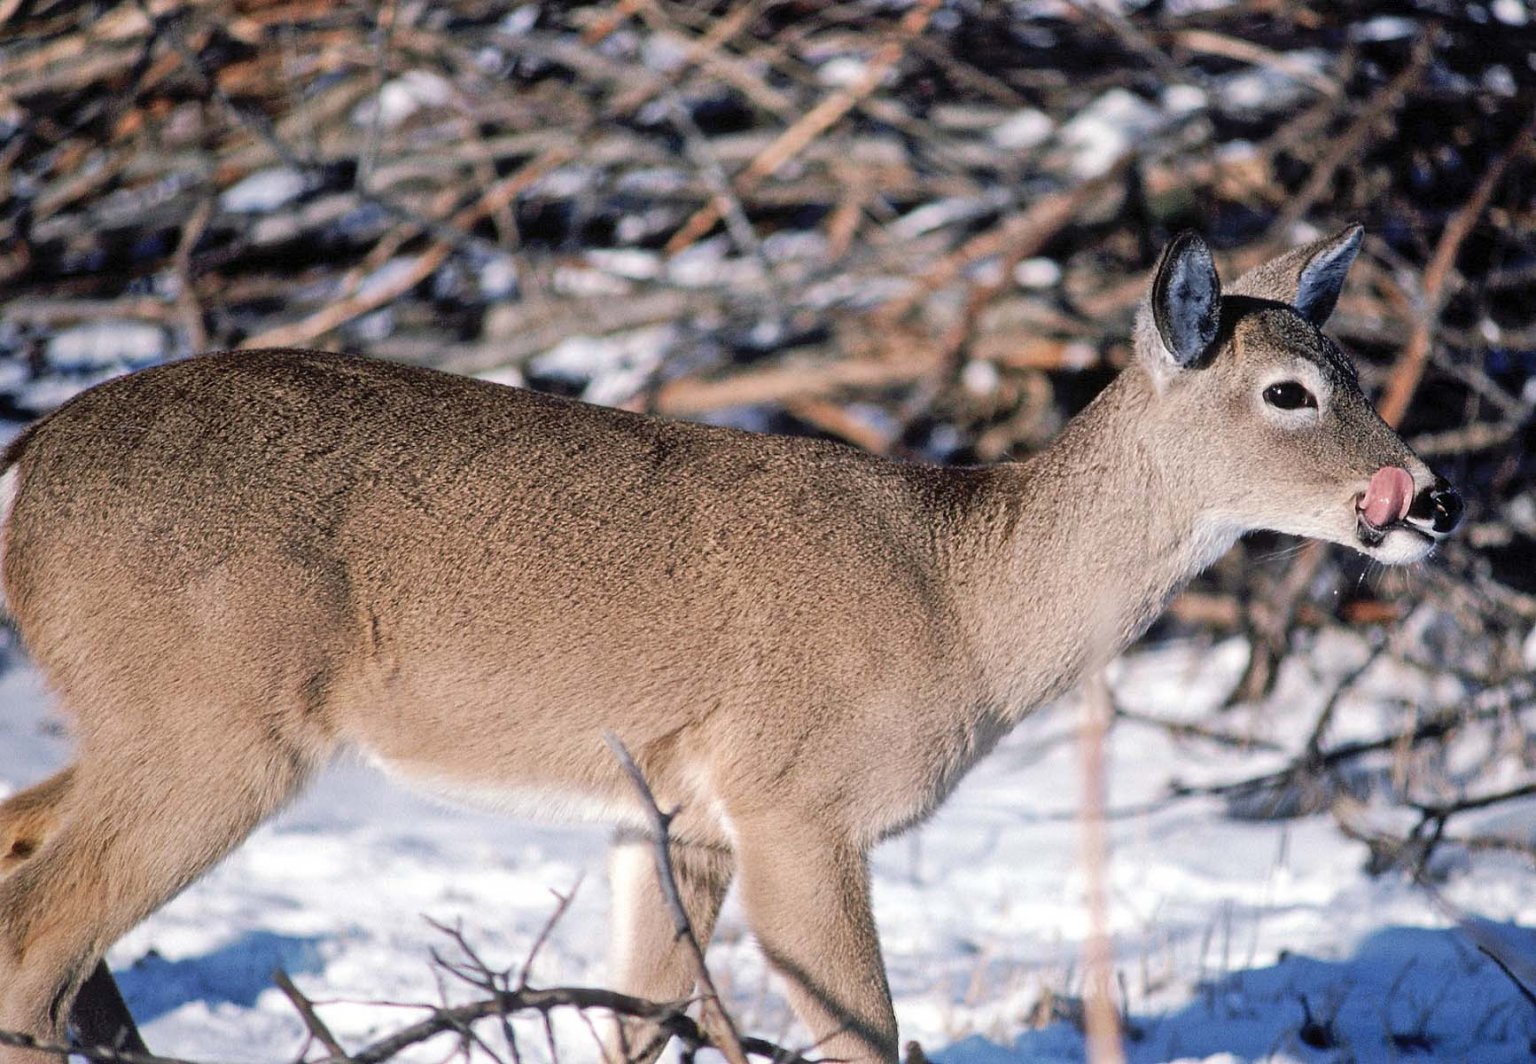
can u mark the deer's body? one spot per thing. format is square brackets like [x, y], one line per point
[232, 567]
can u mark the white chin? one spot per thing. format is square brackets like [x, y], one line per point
[1400, 546]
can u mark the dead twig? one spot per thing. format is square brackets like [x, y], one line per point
[811, 125]
[1409, 368]
[713, 1008]
[1526, 988]
[1512, 698]
[427, 263]
[1443, 811]
[666, 1016]
[563, 903]
[1350, 143]
[1188, 729]
[1518, 968]
[306, 1010]
[1211, 42]
[103, 1054]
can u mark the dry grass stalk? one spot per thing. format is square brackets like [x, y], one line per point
[1101, 1016]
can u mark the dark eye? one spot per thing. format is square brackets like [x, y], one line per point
[1289, 395]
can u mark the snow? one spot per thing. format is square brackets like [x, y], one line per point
[1024, 129]
[842, 72]
[387, 278]
[401, 97]
[1037, 273]
[1498, 80]
[705, 265]
[939, 213]
[109, 342]
[519, 22]
[497, 277]
[632, 263]
[980, 377]
[1510, 12]
[53, 389]
[612, 369]
[265, 190]
[1269, 89]
[1236, 940]
[1383, 28]
[1182, 100]
[664, 53]
[572, 280]
[1102, 132]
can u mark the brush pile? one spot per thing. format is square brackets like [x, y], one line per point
[918, 227]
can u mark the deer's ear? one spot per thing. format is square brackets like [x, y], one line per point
[1308, 278]
[1186, 299]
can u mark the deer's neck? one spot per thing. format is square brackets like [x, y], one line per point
[1077, 551]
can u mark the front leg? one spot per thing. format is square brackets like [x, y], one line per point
[806, 892]
[646, 958]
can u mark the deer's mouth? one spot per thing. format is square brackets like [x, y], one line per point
[1391, 503]
[1373, 535]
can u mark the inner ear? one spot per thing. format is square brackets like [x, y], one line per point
[1322, 278]
[1186, 299]
[1308, 278]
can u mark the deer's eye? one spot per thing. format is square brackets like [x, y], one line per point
[1289, 395]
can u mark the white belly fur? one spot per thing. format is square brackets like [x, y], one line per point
[526, 802]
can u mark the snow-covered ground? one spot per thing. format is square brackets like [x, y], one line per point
[1236, 940]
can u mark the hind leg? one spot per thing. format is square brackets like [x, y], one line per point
[29, 816]
[130, 833]
[646, 957]
[100, 1016]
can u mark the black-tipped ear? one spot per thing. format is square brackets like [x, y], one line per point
[1308, 278]
[1186, 298]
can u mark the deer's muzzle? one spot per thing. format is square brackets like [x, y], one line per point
[1437, 509]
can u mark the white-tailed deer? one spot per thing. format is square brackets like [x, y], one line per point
[231, 567]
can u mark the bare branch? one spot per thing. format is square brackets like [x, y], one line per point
[713, 1007]
[306, 1011]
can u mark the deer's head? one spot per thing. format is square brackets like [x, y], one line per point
[1261, 416]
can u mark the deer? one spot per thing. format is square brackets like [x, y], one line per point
[233, 567]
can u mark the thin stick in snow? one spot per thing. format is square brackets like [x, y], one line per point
[1101, 1019]
[306, 1010]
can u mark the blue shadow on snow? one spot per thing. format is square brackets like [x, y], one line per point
[1406, 994]
[235, 974]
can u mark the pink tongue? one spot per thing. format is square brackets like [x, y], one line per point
[1388, 497]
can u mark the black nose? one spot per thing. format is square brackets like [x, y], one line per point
[1438, 506]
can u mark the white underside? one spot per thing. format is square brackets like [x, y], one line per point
[8, 482]
[1213, 537]
[630, 869]
[525, 802]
